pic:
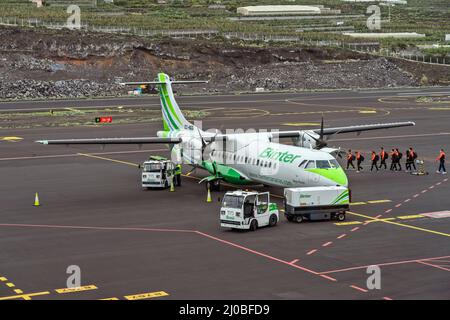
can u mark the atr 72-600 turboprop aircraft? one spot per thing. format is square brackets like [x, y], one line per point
[243, 158]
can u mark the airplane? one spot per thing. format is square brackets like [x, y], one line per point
[243, 158]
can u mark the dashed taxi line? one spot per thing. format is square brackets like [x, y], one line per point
[370, 202]
[13, 286]
[76, 289]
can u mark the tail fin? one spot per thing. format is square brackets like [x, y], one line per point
[172, 116]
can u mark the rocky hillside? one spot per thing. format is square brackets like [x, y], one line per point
[43, 63]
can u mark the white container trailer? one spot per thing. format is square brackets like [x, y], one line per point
[316, 203]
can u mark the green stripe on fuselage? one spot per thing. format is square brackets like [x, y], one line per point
[336, 175]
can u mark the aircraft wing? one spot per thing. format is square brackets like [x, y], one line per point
[349, 129]
[103, 141]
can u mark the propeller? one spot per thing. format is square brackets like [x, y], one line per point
[320, 142]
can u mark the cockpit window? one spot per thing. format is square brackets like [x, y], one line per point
[334, 164]
[302, 163]
[310, 165]
[323, 164]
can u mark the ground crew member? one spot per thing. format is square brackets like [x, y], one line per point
[350, 158]
[441, 159]
[383, 156]
[399, 157]
[394, 158]
[359, 160]
[177, 175]
[411, 157]
[375, 159]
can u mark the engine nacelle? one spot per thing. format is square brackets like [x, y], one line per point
[306, 139]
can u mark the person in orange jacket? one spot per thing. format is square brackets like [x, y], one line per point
[350, 158]
[441, 159]
[359, 160]
[394, 159]
[383, 157]
[375, 159]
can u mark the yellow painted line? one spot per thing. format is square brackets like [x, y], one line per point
[378, 201]
[415, 216]
[439, 109]
[299, 124]
[350, 223]
[367, 111]
[74, 110]
[188, 174]
[113, 298]
[109, 159]
[379, 220]
[357, 203]
[10, 284]
[149, 295]
[3, 279]
[26, 296]
[11, 139]
[18, 291]
[402, 225]
[77, 289]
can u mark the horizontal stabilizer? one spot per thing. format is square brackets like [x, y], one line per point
[101, 141]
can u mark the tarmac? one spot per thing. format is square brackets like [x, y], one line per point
[132, 244]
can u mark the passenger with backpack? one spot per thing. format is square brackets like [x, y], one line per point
[350, 159]
[399, 157]
[359, 160]
[411, 157]
[383, 157]
[375, 159]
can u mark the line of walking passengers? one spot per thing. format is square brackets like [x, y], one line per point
[395, 156]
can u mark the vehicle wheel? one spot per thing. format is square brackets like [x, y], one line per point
[273, 220]
[340, 216]
[298, 218]
[253, 225]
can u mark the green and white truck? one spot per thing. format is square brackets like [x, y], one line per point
[248, 210]
[316, 203]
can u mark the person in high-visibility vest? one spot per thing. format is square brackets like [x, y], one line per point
[359, 160]
[411, 157]
[394, 158]
[350, 158]
[441, 159]
[383, 157]
[177, 175]
[375, 159]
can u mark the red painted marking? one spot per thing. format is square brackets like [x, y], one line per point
[327, 244]
[387, 298]
[398, 205]
[407, 200]
[255, 252]
[389, 210]
[378, 216]
[311, 252]
[445, 180]
[432, 187]
[92, 228]
[433, 265]
[328, 277]
[354, 229]
[341, 236]
[358, 288]
[439, 183]
[366, 223]
[294, 261]
[423, 191]
[383, 264]
[416, 195]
